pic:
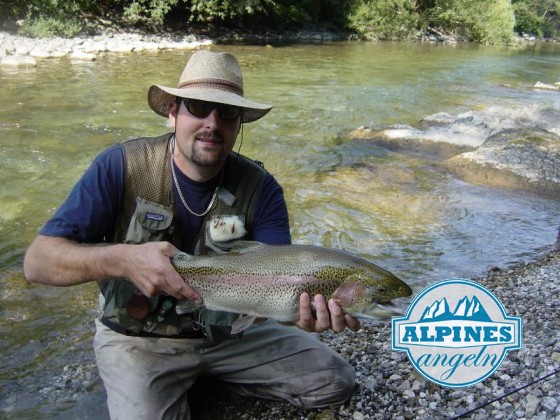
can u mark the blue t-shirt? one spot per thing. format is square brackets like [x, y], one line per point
[91, 211]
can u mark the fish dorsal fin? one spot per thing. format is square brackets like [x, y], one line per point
[243, 247]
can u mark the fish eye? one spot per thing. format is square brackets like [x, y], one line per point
[381, 289]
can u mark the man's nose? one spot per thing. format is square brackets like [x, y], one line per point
[213, 119]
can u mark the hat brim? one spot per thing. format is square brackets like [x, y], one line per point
[159, 98]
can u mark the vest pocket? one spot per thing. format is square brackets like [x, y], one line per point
[150, 222]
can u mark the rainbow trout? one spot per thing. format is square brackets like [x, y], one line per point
[266, 281]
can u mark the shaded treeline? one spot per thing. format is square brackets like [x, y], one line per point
[474, 20]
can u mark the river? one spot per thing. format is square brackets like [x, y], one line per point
[397, 209]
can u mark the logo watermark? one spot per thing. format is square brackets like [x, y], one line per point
[456, 333]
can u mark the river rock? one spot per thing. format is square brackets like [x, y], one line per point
[40, 52]
[531, 405]
[85, 48]
[18, 61]
[445, 135]
[81, 55]
[547, 86]
[520, 158]
[411, 139]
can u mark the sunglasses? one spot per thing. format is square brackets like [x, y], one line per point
[201, 109]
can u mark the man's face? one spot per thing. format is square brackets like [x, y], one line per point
[203, 141]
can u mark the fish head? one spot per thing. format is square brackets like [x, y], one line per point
[369, 296]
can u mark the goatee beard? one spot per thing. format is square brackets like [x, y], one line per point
[204, 158]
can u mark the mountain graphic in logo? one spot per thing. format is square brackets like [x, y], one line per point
[466, 309]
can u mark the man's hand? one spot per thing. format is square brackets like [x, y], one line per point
[327, 316]
[149, 267]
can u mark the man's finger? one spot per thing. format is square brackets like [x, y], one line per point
[352, 323]
[306, 320]
[338, 322]
[186, 291]
[322, 314]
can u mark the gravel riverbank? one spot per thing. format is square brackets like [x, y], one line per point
[19, 51]
[23, 52]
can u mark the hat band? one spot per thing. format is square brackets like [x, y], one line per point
[214, 84]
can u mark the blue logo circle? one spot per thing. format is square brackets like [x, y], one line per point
[456, 333]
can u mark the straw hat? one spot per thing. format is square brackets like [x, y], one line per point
[208, 76]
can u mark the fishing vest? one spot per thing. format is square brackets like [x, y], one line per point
[147, 214]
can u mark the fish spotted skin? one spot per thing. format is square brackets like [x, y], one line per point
[267, 280]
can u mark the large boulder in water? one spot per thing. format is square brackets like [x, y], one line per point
[519, 158]
[443, 135]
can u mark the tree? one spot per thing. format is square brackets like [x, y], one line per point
[479, 20]
[539, 17]
[382, 19]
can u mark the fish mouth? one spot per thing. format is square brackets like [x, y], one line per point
[379, 311]
[390, 308]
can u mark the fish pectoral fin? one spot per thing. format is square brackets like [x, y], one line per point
[242, 323]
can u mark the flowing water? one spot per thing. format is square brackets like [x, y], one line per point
[396, 209]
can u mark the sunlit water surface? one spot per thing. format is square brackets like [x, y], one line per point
[398, 210]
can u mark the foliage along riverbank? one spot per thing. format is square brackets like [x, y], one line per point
[473, 20]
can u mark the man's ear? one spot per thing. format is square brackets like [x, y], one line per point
[172, 107]
[172, 112]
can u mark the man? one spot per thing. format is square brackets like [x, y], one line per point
[134, 208]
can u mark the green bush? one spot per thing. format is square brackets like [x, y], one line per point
[479, 20]
[495, 22]
[205, 10]
[290, 15]
[151, 12]
[382, 19]
[46, 27]
[46, 18]
[537, 17]
[526, 20]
